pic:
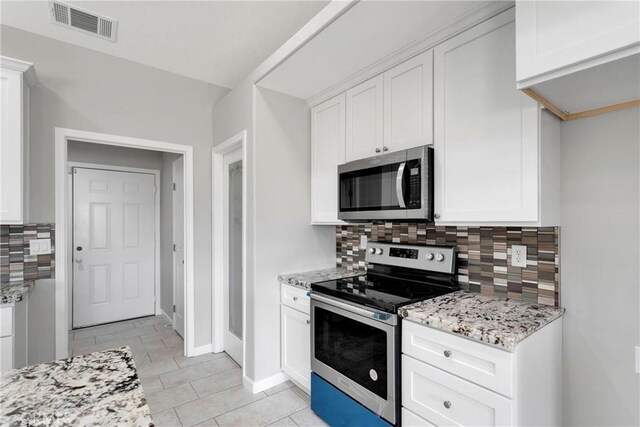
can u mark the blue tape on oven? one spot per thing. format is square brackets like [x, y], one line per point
[339, 410]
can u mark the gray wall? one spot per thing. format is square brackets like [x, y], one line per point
[112, 155]
[599, 268]
[86, 90]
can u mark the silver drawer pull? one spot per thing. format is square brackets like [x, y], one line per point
[295, 298]
[447, 353]
[447, 404]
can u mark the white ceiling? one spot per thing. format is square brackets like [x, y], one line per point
[219, 42]
[367, 33]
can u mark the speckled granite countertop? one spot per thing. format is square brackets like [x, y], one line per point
[99, 388]
[14, 292]
[305, 279]
[496, 321]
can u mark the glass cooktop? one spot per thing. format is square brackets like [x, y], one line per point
[380, 292]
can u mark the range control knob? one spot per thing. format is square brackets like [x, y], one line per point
[429, 256]
[372, 250]
[378, 251]
[439, 257]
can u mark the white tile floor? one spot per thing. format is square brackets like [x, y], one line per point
[205, 390]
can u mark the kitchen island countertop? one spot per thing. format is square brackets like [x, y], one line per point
[99, 388]
[15, 291]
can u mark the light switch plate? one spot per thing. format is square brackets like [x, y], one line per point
[40, 246]
[363, 241]
[518, 256]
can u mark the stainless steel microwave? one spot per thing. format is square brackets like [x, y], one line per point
[394, 186]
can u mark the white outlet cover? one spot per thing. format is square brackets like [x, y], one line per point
[40, 246]
[363, 241]
[518, 256]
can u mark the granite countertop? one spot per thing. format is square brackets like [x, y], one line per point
[99, 388]
[305, 279]
[500, 322]
[14, 292]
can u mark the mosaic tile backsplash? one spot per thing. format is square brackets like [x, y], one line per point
[16, 263]
[484, 255]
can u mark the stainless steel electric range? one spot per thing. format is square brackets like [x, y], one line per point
[355, 331]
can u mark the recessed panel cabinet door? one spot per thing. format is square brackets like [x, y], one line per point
[296, 345]
[408, 103]
[327, 152]
[364, 119]
[486, 131]
[11, 202]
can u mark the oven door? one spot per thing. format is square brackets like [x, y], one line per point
[355, 350]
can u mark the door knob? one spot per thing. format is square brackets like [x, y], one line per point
[79, 260]
[79, 248]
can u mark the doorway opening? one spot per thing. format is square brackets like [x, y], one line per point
[229, 243]
[124, 213]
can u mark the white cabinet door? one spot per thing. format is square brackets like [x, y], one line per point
[552, 35]
[296, 346]
[486, 131]
[327, 152]
[408, 103]
[11, 203]
[364, 119]
[6, 354]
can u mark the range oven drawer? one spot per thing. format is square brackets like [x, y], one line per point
[479, 363]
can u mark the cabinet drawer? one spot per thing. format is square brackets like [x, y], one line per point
[479, 363]
[409, 419]
[6, 354]
[6, 321]
[444, 399]
[295, 298]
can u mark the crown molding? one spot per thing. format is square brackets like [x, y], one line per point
[26, 68]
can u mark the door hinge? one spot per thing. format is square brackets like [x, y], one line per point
[174, 308]
[174, 186]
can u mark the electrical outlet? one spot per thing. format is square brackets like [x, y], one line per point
[518, 256]
[363, 241]
[40, 246]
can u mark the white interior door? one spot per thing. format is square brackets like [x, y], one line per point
[178, 248]
[233, 226]
[114, 246]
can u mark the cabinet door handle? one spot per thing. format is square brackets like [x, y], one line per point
[308, 322]
[385, 149]
[447, 404]
[447, 353]
[436, 216]
[295, 298]
[377, 150]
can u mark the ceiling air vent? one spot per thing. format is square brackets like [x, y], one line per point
[83, 20]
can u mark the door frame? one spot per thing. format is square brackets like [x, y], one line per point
[173, 239]
[62, 135]
[220, 258]
[156, 214]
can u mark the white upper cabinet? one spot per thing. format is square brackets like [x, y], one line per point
[14, 77]
[486, 131]
[364, 119]
[408, 103]
[559, 37]
[327, 152]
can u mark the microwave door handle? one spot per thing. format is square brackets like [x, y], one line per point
[399, 191]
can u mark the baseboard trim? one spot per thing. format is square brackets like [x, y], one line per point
[200, 350]
[162, 312]
[265, 384]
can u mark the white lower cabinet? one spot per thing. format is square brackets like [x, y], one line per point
[13, 335]
[295, 336]
[452, 380]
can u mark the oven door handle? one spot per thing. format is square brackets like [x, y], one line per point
[399, 179]
[380, 316]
